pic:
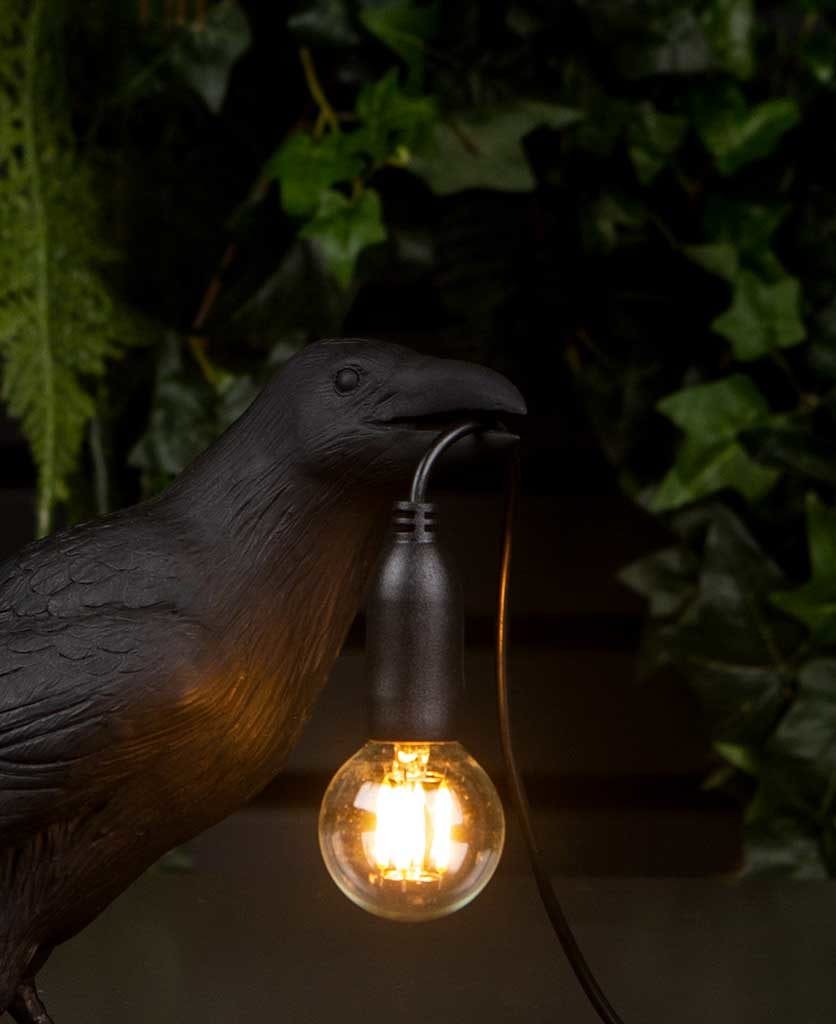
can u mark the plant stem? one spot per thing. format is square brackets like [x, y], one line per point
[46, 481]
[257, 192]
[197, 346]
[327, 113]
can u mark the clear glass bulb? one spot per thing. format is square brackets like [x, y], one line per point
[411, 831]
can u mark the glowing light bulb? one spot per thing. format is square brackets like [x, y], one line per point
[411, 831]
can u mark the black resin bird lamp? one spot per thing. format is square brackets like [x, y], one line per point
[157, 664]
[411, 827]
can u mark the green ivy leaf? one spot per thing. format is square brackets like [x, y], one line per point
[324, 23]
[718, 258]
[740, 756]
[814, 603]
[483, 149]
[405, 27]
[749, 227]
[306, 168]
[783, 846]
[807, 733]
[762, 316]
[666, 578]
[729, 28]
[392, 120]
[727, 640]
[789, 824]
[204, 54]
[818, 52]
[652, 38]
[796, 449]
[717, 411]
[342, 228]
[711, 457]
[653, 138]
[190, 409]
[700, 470]
[181, 423]
[735, 134]
[613, 220]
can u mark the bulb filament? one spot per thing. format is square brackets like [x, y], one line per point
[415, 815]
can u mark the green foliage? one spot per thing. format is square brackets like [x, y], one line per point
[762, 316]
[726, 637]
[205, 54]
[187, 415]
[814, 603]
[712, 457]
[735, 345]
[729, 26]
[483, 148]
[58, 322]
[307, 168]
[316, 171]
[654, 138]
[792, 817]
[343, 228]
[405, 27]
[392, 121]
[736, 134]
[765, 313]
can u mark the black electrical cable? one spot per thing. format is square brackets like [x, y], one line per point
[551, 903]
[421, 479]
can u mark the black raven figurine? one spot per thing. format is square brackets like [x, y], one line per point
[156, 665]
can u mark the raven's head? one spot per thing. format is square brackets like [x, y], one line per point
[379, 404]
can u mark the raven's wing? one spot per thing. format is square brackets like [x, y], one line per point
[92, 628]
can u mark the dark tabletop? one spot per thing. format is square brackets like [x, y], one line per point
[255, 931]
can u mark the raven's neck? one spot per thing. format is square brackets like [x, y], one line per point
[289, 555]
[270, 524]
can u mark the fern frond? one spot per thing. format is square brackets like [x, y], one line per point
[58, 325]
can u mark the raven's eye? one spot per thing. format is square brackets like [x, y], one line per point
[346, 380]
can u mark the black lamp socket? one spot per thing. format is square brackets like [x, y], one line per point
[415, 633]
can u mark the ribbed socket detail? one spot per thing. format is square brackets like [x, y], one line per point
[414, 521]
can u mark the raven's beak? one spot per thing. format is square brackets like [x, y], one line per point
[427, 393]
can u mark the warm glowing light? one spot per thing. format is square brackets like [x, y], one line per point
[411, 831]
[412, 836]
[442, 838]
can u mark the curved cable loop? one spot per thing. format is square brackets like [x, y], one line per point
[421, 479]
